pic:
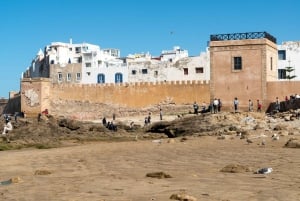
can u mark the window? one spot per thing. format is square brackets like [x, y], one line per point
[78, 76]
[199, 69]
[144, 71]
[155, 73]
[281, 73]
[237, 63]
[88, 73]
[88, 65]
[271, 63]
[101, 78]
[69, 77]
[70, 49]
[52, 62]
[133, 72]
[185, 71]
[77, 49]
[118, 78]
[281, 55]
[59, 77]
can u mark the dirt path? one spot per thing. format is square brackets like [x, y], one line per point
[115, 171]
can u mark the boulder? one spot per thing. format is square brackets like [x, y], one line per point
[293, 143]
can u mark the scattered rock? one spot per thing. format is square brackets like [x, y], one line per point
[171, 141]
[13, 180]
[292, 143]
[182, 197]
[42, 172]
[235, 168]
[249, 141]
[158, 175]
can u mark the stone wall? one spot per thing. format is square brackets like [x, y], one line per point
[281, 89]
[94, 100]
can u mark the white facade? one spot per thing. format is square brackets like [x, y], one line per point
[173, 65]
[36, 63]
[289, 56]
[97, 65]
[174, 55]
[88, 64]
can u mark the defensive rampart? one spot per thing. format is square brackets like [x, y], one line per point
[92, 101]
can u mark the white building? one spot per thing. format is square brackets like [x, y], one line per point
[78, 63]
[88, 64]
[289, 56]
[172, 65]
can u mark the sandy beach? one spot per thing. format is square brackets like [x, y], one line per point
[116, 171]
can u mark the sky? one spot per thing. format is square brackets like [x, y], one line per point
[132, 26]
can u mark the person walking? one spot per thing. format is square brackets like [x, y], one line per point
[236, 104]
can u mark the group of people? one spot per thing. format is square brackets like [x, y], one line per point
[148, 119]
[109, 124]
[214, 107]
[250, 105]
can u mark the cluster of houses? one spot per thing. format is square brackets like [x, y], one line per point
[88, 64]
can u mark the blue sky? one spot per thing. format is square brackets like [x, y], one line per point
[132, 26]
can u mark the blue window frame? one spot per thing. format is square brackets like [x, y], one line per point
[101, 78]
[118, 78]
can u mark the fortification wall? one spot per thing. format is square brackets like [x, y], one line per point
[281, 89]
[97, 100]
[92, 101]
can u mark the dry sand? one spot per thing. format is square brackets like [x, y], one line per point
[116, 171]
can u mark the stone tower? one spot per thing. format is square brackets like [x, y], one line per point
[241, 65]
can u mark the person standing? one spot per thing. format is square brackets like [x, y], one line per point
[250, 105]
[215, 105]
[196, 107]
[219, 105]
[160, 114]
[259, 106]
[236, 104]
[277, 104]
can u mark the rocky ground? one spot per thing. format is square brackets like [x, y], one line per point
[185, 157]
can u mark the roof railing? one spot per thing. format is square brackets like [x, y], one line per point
[242, 36]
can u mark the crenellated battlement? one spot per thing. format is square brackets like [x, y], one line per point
[38, 94]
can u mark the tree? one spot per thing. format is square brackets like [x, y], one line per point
[290, 69]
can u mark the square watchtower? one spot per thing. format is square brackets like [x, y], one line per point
[241, 65]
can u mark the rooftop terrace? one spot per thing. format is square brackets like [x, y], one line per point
[242, 36]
